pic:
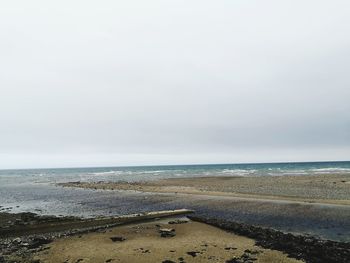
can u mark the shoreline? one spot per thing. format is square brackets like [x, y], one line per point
[327, 219]
[291, 228]
[311, 189]
[206, 238]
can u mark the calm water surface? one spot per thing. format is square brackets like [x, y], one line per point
[34, 190]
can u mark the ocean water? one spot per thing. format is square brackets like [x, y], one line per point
[146, 173]
[34, 190]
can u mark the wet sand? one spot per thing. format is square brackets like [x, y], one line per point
[323, 189]
[317, 205]
[193, 242]
[147, 238]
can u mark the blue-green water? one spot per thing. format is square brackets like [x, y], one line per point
[145, 173]
[34, 190]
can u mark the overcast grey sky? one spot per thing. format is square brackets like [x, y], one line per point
[93, 83]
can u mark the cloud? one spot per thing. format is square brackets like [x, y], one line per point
[173, 81]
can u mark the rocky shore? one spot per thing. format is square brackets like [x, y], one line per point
[24, 234]
[175, 239]
[215, 233]
[307, 248]
[165, 241]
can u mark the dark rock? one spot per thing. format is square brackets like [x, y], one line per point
[118, 239]
[230, 248]
[248, 257]
[309, 249]
[109, 260]
[167, 232]
[177, 221]
[168, 261]
[193, 253]
[38, 242]
[17, 240]
[234, 260]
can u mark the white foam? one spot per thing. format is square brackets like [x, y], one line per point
[108, 173]
[331, 170]
[238, 172]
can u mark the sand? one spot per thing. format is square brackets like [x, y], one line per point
[144, 244]
[323, 189]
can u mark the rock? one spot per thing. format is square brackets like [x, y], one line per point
[168, 261]
[38, 242]
[118, 239]
[17, 240]
[167, 232]
[230, 248]
[248, 257]
[193, 253]
[309, 249]
[234, 260]
[177, 221]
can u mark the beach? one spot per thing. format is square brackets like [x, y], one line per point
[193, 242]
[279, 218]
[175, 132]
[163, 236]
[325, 189]
[317, 205]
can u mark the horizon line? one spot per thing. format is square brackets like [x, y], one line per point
[164, 165]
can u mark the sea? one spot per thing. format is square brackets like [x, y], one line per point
[35, 190]
[146, 173]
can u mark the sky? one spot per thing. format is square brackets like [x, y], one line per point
[110, 83]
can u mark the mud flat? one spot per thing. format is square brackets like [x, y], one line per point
[316, 205]
[191, 242]
[306, 248]
[149, 238]
[324, 189]
[23, 234]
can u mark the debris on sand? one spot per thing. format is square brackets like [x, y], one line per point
[118, 239]
[193, 253]
[178, 221]
[167, 232]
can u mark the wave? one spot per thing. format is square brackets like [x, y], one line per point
[331, 170]
[160, 171]
[238, 172]
[108, 173]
